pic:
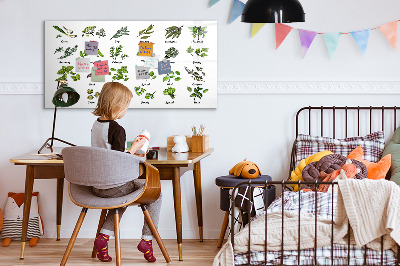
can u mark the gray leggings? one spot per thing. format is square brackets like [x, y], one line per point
[154, 208]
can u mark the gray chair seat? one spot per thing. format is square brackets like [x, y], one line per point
[83, 196]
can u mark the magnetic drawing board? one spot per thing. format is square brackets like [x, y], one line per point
[166, 64]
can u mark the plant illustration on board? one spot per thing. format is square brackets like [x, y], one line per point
[152, 75]
[121, 32]
[91, 96]
[101, 33]
[173, 32]
[202, 52]
[69, 51]
[59, 50]
[174, 75]
[83, 54]
[146, 33]
[139, 90]
[171, 53]
[120, 74]
[117, 51]
[170, 92]
[198, 31]
[197, 92]
[197, 74]
[149, 96]
[65, 71]
[89, 31]
[65, 31]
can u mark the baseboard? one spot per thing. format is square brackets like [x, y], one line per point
[259, 87]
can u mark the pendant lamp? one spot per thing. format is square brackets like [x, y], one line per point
[273, 11]
[63, 97]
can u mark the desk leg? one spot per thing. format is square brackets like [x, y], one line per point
[197, 189]
[60, 190]
[27, 206]
[176, 182]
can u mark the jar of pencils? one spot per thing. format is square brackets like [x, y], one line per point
[200, 142]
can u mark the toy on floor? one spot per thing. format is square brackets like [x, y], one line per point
[13, 215]
[245, 169]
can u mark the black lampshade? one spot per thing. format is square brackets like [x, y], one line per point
[65, 96]
[273, 11]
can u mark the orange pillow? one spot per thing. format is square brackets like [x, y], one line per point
[375, 170]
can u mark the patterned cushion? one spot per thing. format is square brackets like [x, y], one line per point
[372, 144]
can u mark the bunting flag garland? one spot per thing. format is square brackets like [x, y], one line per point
[361, 37]
[389, 30]
[256, 28]
[306, 39]
[213, 2]
[332, 41]
[237, 8]
[281, 31]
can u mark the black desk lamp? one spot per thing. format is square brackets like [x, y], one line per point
[273, 11]
[64, 97]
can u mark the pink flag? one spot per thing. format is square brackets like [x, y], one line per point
[306, 39]
[281, 31]
[389, 30]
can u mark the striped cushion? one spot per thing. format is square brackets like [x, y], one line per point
[372, 145]
[13, 228]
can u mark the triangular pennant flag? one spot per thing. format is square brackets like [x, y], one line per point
[255, 28]
[281, 31]
[361, 37]
[332, 41]
[389, 30]
[237, 8]
[306, 39]
[213, 2]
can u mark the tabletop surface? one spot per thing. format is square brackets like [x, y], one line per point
[164, 157]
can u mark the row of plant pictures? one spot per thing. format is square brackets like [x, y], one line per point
[166, 64]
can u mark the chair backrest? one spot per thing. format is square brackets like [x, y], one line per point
[92, 166]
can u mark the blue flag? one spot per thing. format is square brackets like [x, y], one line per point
[213, 2]
[237, 9]
[361, 38]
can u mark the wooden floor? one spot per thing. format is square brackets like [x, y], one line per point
[50, 252]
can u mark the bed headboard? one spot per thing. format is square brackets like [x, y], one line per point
[344, 121]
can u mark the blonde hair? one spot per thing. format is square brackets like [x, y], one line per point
[114, 97]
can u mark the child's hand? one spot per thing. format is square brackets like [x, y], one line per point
[137, 144]
[142, 155]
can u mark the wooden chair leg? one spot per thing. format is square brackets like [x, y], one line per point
[223, 229]
[117, 238]
[101, 222]
[73, 237]
[154, 230]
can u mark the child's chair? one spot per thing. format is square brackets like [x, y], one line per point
[85, 167]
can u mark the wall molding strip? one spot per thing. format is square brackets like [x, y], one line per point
[261, 87]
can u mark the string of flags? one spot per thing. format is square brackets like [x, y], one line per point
[361, 37]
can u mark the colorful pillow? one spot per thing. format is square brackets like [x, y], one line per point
[372, 144]
[393, 148]
[375, 170]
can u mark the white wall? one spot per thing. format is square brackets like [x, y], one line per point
[259, 127]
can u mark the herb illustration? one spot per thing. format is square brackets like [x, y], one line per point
[89, 91]
[101, 33]
[97, 94]
[172, 75]
[199, 52]
[90, 97]
[121, 32]
[120, 73]
[198, 32]
[83, 54]
[117, 51]
[69, 51]
[197, 92]
[139, 90]
[146, 33]
[89, 31]
[170, 91]
[58, 36]
[197, 74]
[171, 53]
[65, 71]
[59, 50]
[149, 95]
[173, 32]
[65, 31]
[152, 75]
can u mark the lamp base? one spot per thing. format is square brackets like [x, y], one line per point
[50, 146]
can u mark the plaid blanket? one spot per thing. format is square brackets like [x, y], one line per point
[323, 205]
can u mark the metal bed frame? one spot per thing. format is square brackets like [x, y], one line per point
[284, 184]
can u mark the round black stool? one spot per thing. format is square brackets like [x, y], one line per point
[228, 182]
